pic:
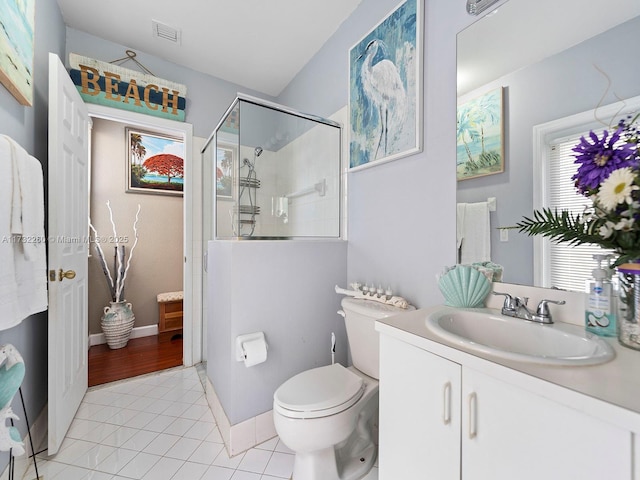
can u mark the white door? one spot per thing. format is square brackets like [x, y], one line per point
[68, 228]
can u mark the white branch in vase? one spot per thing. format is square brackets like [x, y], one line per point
[116, 287]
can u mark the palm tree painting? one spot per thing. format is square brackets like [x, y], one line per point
[155, 163]
[385, 89]
[480, 136]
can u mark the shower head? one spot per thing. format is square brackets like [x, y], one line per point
[258, 151]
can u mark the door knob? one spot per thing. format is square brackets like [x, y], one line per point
[70, 274]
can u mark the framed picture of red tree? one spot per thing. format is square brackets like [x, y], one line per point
[155, 163]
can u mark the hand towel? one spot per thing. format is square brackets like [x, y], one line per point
[460, 214]
[476, 243]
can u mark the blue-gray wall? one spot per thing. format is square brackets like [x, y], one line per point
[28, 126]
[563, 85]
[401, 214]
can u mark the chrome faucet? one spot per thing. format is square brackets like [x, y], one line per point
[517, 307]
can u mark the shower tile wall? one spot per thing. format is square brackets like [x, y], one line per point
[300, 164]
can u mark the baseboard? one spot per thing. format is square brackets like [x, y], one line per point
[38, 434]
[242, 436]
[137, 332]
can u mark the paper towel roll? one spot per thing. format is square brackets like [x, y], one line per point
[254, 351]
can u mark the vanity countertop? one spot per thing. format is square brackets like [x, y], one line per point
[610, 391]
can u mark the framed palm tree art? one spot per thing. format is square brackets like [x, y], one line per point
[155, 163]
[480, 136]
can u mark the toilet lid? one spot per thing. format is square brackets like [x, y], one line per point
[319, 392]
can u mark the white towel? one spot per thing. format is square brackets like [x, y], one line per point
[23, 281]
[476, 240]
[460, 215]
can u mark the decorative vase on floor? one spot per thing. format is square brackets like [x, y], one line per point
[629, 305]
[117, 323]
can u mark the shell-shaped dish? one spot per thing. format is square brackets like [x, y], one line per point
[464, 286]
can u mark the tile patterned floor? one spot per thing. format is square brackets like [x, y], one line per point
[157, 427]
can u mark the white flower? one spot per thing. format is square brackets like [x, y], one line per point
[625, 224]
[617, 189]
[607, 229]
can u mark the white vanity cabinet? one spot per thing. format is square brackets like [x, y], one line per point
[419, 414]
[440, 420]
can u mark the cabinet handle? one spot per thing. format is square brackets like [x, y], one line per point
[446, 410]
[473, 407]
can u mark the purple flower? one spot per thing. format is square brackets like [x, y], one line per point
[597, 159]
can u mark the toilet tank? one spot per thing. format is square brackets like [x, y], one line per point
[360, 317]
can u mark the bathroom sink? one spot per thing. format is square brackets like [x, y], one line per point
[489, 332]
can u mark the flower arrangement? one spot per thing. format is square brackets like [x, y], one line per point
[609, 175]
[116, 281]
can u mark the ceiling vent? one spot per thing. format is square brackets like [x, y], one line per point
[161, 30]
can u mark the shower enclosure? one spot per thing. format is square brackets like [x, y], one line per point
[272, 173]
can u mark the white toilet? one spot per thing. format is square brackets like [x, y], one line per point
[327, 415]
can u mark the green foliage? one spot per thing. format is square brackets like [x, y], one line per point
[565, 227]
[137, 174]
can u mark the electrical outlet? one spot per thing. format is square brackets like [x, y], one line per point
[504, 235]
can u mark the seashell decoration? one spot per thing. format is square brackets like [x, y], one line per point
[464, 286]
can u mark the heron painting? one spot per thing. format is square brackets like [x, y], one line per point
[385, 89]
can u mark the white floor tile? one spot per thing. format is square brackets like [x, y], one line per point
[94, 475]
[93, 457]
[139, 466]
[73, 451]
[218, 473]
[120, 436]
[190, 471]
[159, 423]
[269, 444]
[183, 448]
[200, 430]
[255, 460]
[165, 469]
[280, 465]
[140, 440]
[71, 472]
[176, 409]
[281, 447]
[157, 427]
[141, 419]
[116, 461]
[223, 460]
[180, 426]
[240, 475]
[161, 444]
[207, 452]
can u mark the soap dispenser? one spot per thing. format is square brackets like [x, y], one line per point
[600, 309]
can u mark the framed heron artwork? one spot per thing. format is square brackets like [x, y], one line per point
[385, 89]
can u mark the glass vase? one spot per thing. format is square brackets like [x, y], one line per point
[629, 305]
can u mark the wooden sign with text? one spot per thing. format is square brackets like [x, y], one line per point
[114, 86]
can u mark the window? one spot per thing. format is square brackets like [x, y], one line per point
[560, 265]
[568, 266]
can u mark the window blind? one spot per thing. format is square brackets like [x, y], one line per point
[568, 266]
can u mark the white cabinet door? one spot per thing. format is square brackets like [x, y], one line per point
[509, 433]
[419, 414]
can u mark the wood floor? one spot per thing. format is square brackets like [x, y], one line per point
[141, 355]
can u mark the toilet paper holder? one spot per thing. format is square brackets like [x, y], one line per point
[240, 339]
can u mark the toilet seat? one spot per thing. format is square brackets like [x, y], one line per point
[318, 392]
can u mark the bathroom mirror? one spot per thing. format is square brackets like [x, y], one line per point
[554, 58]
